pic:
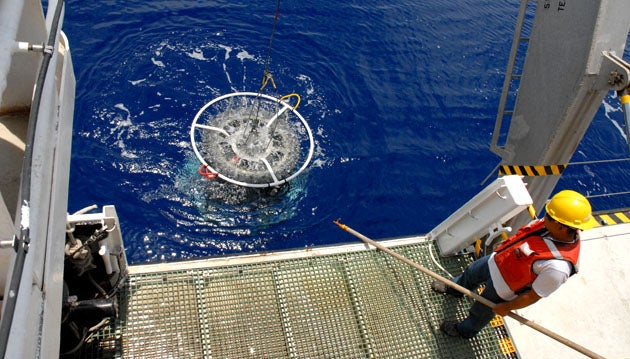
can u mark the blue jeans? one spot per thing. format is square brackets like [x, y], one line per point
[479, 316]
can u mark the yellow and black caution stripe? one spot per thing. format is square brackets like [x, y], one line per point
[505, 342]
[547, 170]
[503, 336]
[609, 218]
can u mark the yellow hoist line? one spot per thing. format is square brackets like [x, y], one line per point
[266, 78]
[285, 97]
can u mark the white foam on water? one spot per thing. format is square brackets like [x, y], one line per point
[197, 54]
[157, 62]
[135, 82]
[244, 55]
[610, 111]
[120, 127]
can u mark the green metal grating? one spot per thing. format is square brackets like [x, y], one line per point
[362, 304]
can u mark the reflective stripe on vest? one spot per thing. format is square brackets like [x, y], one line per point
[552, 248]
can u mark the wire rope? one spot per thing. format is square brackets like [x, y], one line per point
[266, 77]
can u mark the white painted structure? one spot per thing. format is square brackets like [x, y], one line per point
[30, 327]
[564, 78]
[483, 215]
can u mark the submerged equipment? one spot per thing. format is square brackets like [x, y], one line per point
[251, 139]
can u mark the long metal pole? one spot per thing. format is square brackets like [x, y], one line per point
[471, 294]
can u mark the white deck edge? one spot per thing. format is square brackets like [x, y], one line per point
[269, 256]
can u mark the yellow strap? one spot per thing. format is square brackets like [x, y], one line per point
[266, 77]
[292, 95]
[532, 211]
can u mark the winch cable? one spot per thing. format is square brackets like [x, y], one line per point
[523, 171]
[266, 74]
[266, 77]
[470, 293]
[22, 243]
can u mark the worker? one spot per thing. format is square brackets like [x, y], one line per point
[529, 265]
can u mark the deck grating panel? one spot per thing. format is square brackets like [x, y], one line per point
[161, 316]
[362, 304]
[239, 314]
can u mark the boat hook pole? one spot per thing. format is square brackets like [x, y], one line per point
[470, 294]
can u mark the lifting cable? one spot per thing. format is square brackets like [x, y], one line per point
[550, 170]
[266, 74]
[266, 77]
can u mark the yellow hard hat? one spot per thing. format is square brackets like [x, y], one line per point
[571, 209]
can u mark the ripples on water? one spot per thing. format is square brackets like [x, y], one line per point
[401, 98]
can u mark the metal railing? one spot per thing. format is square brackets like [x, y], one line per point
[22, 242]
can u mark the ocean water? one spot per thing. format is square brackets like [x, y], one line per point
[401, 97]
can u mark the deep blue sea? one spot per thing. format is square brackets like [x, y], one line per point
[401, 97]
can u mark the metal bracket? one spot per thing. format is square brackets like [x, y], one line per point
[614, 73]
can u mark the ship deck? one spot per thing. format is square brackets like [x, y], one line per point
[345, 301]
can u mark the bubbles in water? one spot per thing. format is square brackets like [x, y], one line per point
[252, 140]
[223, 217]
[241, 154]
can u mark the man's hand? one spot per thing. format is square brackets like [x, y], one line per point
[502, 309]
[522, 301]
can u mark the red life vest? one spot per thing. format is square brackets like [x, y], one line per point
[516, 255]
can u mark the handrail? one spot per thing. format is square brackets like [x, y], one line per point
[21, 244]
[509, 75]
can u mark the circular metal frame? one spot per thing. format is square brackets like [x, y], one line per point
[276, 182]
